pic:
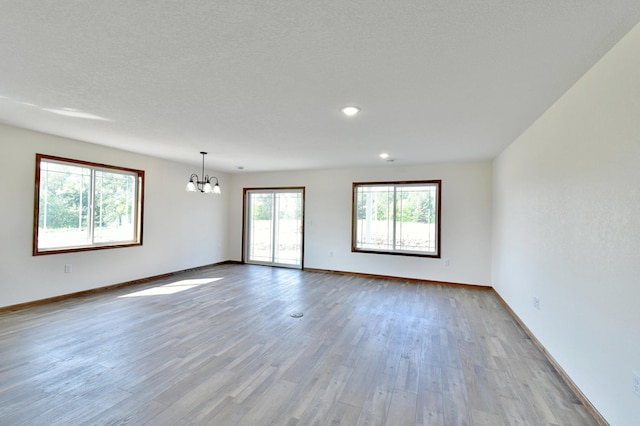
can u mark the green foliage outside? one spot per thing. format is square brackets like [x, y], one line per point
[113, 204]
[65, 198]
[290, 206]
[416, 206]
[262, 206]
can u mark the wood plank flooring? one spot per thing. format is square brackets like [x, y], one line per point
[217, 346]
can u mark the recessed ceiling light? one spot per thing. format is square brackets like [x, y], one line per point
[384, 155]
[350, 111]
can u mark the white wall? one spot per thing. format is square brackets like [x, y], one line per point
[181, 230]
[567, 229]
[466, 220]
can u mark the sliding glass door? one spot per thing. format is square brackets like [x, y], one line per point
[274, 226]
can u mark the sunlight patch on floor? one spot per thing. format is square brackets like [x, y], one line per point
[172, 288]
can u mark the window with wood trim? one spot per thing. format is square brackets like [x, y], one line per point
[397, 218]
[81, 205]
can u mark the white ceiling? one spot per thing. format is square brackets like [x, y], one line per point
[260, 84]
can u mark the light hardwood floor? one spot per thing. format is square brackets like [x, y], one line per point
[366, 352]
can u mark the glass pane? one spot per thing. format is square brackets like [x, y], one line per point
[114, 207]
[415, 218]
[63, 205]
[288, 223]
[274, 227]
[374, 217]
[261, 227]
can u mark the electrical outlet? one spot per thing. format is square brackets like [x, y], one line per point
[635, 378]
[68, 269]
[446, 262]
[536, 303]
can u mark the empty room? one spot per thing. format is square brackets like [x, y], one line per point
[307, 213]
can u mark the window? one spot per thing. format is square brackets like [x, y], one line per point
[397, 218]
[85, 206]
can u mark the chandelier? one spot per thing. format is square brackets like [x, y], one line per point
[204, 185]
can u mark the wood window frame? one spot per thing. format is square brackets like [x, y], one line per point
[139, 215]
[438, 216]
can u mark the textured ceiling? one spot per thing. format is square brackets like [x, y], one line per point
[260, 84]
